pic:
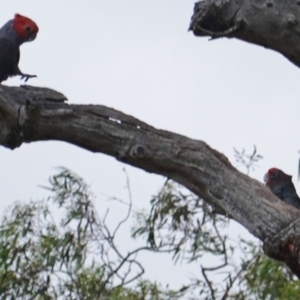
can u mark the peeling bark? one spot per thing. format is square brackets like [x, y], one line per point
[31, 114]
[273, 24]
[285, 246]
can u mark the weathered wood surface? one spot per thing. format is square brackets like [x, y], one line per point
[273, 24]
[31, 114]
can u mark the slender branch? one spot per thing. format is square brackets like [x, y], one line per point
[129, 206]
[212, 291]
[237, 275]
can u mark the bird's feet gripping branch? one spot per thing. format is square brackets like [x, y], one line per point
[26, 76]
[12, 35]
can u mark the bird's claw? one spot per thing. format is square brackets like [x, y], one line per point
[27, 76]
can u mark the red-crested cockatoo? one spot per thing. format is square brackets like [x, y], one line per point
[12, 35]
[282, 186]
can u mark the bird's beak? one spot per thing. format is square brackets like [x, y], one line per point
[32, 37]
[266, 178]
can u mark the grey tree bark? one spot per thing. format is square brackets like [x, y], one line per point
[272, 24]
[30, 114]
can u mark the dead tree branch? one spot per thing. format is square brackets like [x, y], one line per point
[30, 114]
[272, 24]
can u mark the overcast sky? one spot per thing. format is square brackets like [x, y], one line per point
[137, 57]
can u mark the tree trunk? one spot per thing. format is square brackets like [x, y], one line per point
[30, 114]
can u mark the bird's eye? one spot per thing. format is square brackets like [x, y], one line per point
[273, 175]
[28, 28]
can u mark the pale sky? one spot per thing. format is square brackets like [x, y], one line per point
[137, 57]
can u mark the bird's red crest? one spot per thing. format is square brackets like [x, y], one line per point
[273, 171]
[25, 27]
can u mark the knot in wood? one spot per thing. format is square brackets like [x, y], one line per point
[269, 3]
[292, 20]
[139, 151]
[10, 137]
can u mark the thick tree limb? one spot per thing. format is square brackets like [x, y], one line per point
[30, 114]
[272, 24]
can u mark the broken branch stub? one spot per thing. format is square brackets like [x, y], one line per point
[273, 24]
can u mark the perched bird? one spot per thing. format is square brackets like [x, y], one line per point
[12, 35]
[282, 186]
